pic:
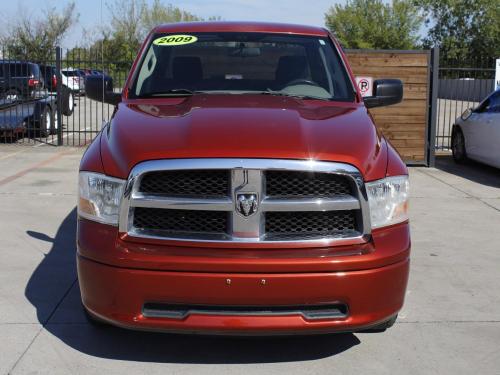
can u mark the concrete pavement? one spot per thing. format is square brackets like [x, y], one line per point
[450, 322]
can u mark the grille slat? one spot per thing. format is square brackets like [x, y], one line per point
[283, 184]
[293, 225]
[192, 183]
[176, 222]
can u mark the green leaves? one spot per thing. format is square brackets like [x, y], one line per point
[463, 29]
[375, 24]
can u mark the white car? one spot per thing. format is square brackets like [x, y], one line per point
[74, 79]
[476, 134]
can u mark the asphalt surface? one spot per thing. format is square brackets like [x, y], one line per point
[450, 323]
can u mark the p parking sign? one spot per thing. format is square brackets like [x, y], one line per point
[365, 85]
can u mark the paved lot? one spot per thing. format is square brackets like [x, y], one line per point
[450, 323]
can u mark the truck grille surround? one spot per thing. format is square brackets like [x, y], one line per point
[255, 201]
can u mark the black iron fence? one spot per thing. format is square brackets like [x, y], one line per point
[44, 102]
[461, 85]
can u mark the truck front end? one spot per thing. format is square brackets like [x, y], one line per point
[242, 188]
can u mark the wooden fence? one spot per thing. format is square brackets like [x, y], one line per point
[405, 124]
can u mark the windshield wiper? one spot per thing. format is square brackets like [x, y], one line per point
[298, 96]
[171, 92]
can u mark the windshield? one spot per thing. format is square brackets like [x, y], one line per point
[242, 63]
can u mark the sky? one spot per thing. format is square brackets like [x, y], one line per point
[294, 11]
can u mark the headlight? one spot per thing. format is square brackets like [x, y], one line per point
[99, 197]
[388, 200]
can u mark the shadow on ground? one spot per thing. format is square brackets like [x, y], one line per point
[58, 268]
[471, 170]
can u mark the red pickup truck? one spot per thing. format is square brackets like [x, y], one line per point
[241, 187]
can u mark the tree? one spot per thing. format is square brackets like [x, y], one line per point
[113, 48]
[132, 20]
[375, 24]
[126, 28]
[160, 13]
[463, 29]
[36, 39]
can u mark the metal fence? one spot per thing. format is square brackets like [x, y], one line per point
[44, 101]
[461, 85]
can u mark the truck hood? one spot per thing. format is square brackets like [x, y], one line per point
[242, 126]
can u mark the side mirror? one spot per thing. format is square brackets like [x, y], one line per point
[466, 114]
[97, 88]
[385, 92]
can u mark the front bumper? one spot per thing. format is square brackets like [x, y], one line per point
[118, 276]
[117, 295]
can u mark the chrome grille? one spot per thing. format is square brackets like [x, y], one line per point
[255, 201]
[196, 183]
[179, 222]
[299, 225]
[297, 184]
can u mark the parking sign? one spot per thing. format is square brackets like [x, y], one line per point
[365, 85]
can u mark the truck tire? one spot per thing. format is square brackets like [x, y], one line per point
[46, 123]
[55, 122]
[68, 101]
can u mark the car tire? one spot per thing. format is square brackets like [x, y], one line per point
[96, 322]
[68, 101]
[458, 146]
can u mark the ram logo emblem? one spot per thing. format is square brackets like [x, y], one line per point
[247, 203]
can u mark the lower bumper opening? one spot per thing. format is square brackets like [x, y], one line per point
[309, 312]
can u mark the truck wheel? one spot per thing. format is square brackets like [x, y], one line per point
[46, 123]
[68, 101]
[458, 146]
[55, 123]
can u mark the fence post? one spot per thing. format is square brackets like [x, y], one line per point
[59, 97]
[434, 84]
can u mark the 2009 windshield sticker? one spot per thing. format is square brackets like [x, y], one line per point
[175, 40]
